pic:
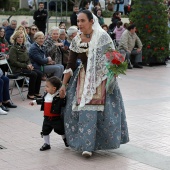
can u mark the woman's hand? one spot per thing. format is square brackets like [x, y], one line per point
[30, 67]
[59, 44]
[49, 59]
[51, 62]
[65, 47]
[31, 103]
[62, 91]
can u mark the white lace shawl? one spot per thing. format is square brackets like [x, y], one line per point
[96, 70]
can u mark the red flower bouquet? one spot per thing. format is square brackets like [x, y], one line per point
[116, 64]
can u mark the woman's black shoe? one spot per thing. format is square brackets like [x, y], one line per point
[31, 98]
[137, 66]
[10, 105]
[65, 142]
[37, 96]
[45, 147]
[4, 108]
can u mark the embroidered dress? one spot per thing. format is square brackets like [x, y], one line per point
[93, 127]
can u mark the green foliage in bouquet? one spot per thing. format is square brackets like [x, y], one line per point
[151, 20]
[115, 70]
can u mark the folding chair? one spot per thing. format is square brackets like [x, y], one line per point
[15, 78]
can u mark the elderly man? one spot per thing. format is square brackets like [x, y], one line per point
[132, 46]
[9, 30]
[5, 24]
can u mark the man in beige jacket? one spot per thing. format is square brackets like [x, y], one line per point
[132, 46]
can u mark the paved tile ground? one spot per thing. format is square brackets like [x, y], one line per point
[146, 94]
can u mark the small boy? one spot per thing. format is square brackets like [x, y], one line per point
[51, 104]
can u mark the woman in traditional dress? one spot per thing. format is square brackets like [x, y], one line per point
[94, 117]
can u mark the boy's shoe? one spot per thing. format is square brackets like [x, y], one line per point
[65, 142]
[45, 147]
[87, 154]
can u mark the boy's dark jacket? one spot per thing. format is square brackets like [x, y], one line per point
[57, 104]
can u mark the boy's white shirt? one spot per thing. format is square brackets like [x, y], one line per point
[49, 97]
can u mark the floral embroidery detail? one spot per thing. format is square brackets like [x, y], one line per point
[96, 70]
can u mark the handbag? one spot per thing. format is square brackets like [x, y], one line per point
[98, 97]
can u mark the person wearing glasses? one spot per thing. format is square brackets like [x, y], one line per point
[33, 30]
[28, 29]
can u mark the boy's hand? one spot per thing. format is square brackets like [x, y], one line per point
[31, 103]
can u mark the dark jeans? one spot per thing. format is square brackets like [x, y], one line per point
[134, 56]
[4, 89]
[4, 68]
[34, 81]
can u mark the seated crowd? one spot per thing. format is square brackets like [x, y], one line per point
[32, 54]
[37, 56]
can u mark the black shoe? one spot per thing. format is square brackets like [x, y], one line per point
[31, 98]
[130, 66]
[4, 108]
[65, 142]
[45, 147]
[137, 66]
[38, 96]
[9, 104]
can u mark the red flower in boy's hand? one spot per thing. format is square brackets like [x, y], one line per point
[6, 49]
[162, 48]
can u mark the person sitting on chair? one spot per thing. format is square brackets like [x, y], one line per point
[21, 64]
[127, 43]
[5, 102]
[41, 61]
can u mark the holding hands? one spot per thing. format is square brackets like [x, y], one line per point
[30, 67]
[62, 91]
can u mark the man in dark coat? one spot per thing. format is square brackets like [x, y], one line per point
[9, 30]
[40, 17]
[73, 17]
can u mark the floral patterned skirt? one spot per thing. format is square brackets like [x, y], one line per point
[95, 130]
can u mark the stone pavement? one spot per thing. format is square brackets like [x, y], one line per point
[146, 94]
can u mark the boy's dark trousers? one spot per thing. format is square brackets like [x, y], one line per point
[51, 123]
